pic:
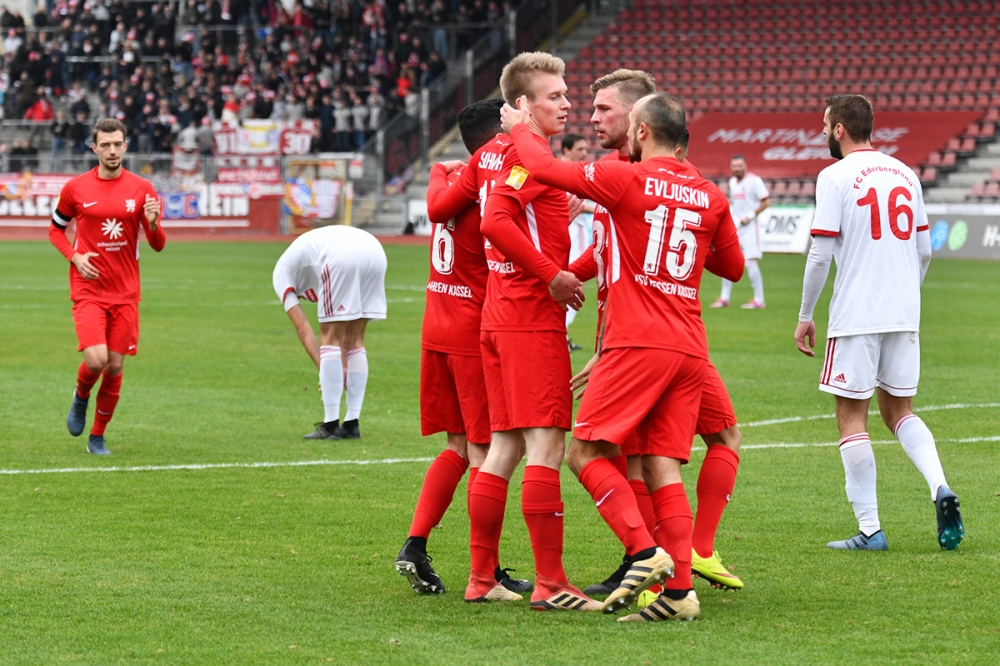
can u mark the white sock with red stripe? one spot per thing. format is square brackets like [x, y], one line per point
[859, 468]
[331, 381]
[756, 280]
[918, 442]
[727, 291]
[357, 380]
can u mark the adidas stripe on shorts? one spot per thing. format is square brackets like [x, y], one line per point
[855, 364]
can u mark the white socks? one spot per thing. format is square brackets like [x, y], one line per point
[331, 381]
[357, 380]
[918, 442]
[756, 281]
[859, 468]
[570, 316]
[727, 290]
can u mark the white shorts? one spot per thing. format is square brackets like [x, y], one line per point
[855, 364]
[352, 284]
[750, 242]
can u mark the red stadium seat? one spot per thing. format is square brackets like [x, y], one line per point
[928, 175]
[992, 190]
[995, 175]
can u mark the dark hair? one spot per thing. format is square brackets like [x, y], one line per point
[107, 126]
[570, 140]
[737, 157]
[664, 116]
[479, 122]
[855, 113]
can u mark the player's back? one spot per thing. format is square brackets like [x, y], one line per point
[665, 222]
[873, 204]
[300, 264]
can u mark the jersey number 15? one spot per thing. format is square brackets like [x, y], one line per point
[682, 245]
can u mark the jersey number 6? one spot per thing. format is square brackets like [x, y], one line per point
[443, 253]
[682, 245]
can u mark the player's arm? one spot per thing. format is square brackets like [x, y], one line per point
[307, 336]
[764, 196]
[826, 228]
[725, 258]
[923, 236]
[585, 266]
[587, 180]
[444, 202]
[61, 217]
[150, 219]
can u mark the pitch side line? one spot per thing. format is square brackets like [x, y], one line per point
[817, 417]
[250, 465]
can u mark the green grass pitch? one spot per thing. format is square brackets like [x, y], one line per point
[294, 564]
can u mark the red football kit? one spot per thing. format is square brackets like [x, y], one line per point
[665, 217]
[452, 388]
[108, 216]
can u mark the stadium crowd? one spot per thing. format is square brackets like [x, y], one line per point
[165, 67]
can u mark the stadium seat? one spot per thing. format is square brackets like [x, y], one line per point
[928, 176]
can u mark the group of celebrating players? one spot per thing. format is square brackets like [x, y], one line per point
[495, 368]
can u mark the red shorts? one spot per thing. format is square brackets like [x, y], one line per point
[651, 394]
[527, 379]
[715, 413]
[453, 396]
[116, 326]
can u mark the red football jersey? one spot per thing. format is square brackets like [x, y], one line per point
[456, 288]
[108, 215]
[665, 218]
[528, 222]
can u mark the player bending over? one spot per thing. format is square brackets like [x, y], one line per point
[452, 387]
[614, 96]
[870, 218]
[109, 205]
[342, 270]
[654, 360]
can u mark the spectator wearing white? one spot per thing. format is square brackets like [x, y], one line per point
[376, 105]
[359, 113]
[748, 197]
[342, 118]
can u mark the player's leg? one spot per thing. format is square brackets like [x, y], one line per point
[725, 296]
[625, 466]
[487, 504]
[898, 376]
[90, 323]
[356, 376]
[757, 283]
[123, 339]
[849, 371]
[331, 377]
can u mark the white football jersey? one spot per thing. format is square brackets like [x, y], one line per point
[873, 204]
[745, 195]
[300, 268]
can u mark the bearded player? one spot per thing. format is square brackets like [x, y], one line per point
[452, 388]
[650, 377]
[614, 96]
[109, 205]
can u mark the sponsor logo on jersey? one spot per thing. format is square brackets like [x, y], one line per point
[113, 229]
[518, 176]
[130, 205]
[840, 379]
[88, 205]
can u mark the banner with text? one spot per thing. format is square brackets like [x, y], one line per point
[785, 229]
[965, 231]
[792, 145]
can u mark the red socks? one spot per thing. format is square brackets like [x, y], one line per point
[437, 492]
[107, 399]
[617, 504]
[85, 380]
[645, 503]
[473, 472]
[541, 504]
[673, 532]
[621, 464]
[487, 502]
[716, 481]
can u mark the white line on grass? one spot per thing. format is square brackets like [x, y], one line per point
[928, 408]
[252, 465]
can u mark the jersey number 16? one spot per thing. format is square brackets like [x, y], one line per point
[896, 210]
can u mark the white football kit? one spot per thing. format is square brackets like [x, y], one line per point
[341, 269]
[744, 199]
[870, 215]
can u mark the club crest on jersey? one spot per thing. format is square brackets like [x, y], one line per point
[112, 229]
[130, 205]
[518, 176]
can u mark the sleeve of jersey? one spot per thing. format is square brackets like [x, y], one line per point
[61, 217]
[585, 266]
[503, 233]
[817, 270]
[826, 220]
[726, 263]
[597, 181]
[762, 192]
[444, 202]
[283, 287]
[156, 239]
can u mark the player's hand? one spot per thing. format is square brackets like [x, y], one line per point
[510, 116]
[575, 205]
[451, 165]
[152, 210]
[567, 290]
[84, 267]
[806, 332]
[579, 381]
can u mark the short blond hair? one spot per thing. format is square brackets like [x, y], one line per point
[516, 79]
[632, 85]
